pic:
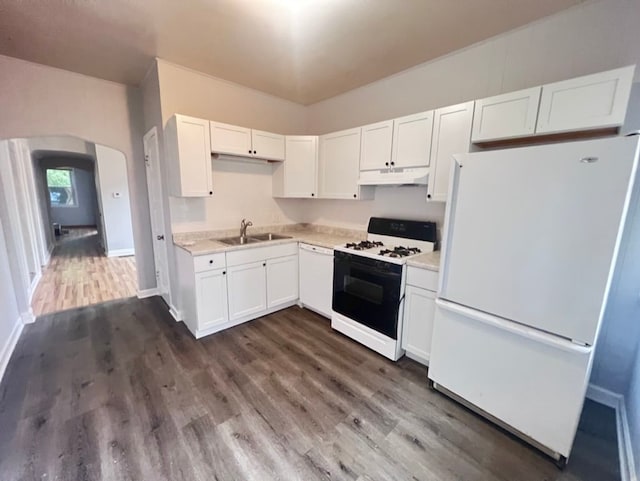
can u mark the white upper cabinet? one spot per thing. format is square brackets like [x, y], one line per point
[297, 176]
[339, 165]
[590, 102]
[412, 140]
[375, 146]
[451, 135]
[267, 145]
[506, 116]
[233, 140]
[188, 149]
[230, 139]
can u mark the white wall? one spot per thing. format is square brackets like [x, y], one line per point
[240, 189]
[84, 212]
[633, 409]
[37, 100]
[111, 172]
[9, 313]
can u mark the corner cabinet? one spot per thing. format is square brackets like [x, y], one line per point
[230, 139]
[188, 151]
[297, 176]
[339, 166]
[451, 135]
[595, 101]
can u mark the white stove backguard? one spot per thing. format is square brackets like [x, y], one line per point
[391, 241]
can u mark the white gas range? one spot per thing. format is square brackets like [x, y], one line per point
[369, 282]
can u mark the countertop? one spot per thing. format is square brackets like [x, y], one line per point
[429, 260]
[320, 236]
[311, 236]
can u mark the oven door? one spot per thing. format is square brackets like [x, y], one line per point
[367, 291]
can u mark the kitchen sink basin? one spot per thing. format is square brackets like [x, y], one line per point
[270, 236]
[236, 241]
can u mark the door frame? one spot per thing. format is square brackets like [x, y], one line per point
[155, 195]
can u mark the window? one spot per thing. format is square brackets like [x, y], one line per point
[61, 184]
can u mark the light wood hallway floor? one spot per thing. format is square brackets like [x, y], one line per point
[119, 391]
[79, 274]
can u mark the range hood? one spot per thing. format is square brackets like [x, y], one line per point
[414, 176]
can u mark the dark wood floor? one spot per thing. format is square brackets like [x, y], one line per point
[119, 391]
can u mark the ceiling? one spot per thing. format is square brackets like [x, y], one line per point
[302, 50]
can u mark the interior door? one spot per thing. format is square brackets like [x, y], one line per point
[154, 187]
[532, 232]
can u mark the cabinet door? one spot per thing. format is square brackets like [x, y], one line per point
[590, 102]
[267, 145]
[230, 139]
[190, 146]
[506, 116]
[247, 290]
[282, 280]
[316, 278]
[375, 146]
[339, 165]
[451, 135]
[419, 311]
[301, 166]
[412, 140]
[211, 298]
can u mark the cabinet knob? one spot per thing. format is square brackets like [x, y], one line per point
[210, 192]
[393, 163]
[249, 151]
[387, 164]
[211, 261]
[255, 152]
[264, 264]
[355, 196]
[428, 196]
[312, 194]
[224, 273]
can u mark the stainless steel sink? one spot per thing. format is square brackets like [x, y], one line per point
[270, 236]
[236, 241]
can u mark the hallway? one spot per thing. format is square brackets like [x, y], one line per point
[79, 274]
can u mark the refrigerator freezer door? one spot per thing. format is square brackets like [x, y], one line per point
[533, 232]
[535, 383]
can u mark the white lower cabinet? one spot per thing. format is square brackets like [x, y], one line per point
[211, 298]
[419, 313]
[247, 290]
[282, 280]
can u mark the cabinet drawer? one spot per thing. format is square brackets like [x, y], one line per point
[423, 278]
[207, 262]
[255, 254]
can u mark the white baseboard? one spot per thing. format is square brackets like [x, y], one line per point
[7, 349]
[27, 317]
[120, 253]
[625, 449]
[143, 294]
[603, 396]
[175, 313]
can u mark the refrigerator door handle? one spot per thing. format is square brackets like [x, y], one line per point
[514, 328]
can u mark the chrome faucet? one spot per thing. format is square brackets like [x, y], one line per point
[243, 229]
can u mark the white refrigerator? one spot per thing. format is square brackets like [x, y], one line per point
[530, 245]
